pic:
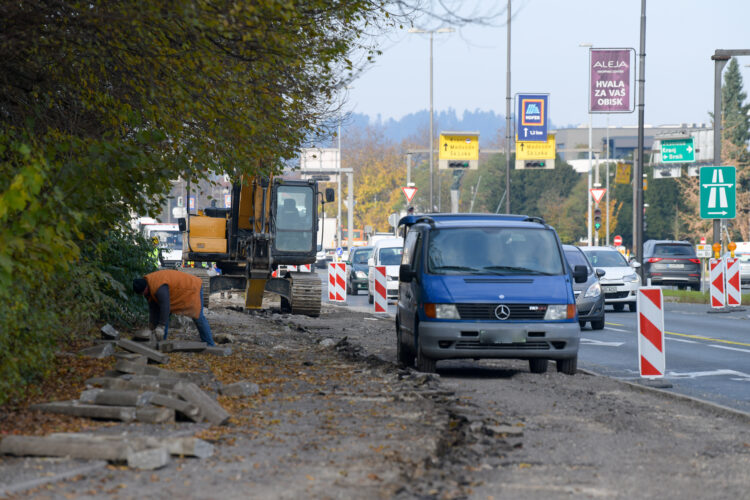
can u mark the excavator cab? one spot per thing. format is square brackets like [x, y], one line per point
[271, 222]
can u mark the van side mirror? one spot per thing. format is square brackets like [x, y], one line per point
[329, 195]
[370, 262]
[600, 272]
[580, 274]
[405, 274]
[635, 264]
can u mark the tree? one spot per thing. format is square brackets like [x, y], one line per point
[735, 118]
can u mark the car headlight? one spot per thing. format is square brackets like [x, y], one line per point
[560, 311]
[441, 311]
[594, 290]
[630, 278]
[360, 274]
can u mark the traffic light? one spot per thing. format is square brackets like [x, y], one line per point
[597, 219]
[458, 164]
[536, 164]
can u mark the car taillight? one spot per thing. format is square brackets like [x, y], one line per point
[695, 261]
[654, 259]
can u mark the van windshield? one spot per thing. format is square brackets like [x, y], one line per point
[494, 251]
[390, 256]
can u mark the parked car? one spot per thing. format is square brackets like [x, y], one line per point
[486, 286]
[620, 284]
[386, 252]
[321, 259]
[744, 267]
[668, 262]
[356, 270]
[589, 296]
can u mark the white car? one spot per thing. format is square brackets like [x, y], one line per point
[620, 283]
[386, 252]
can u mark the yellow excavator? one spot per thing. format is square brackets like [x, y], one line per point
[271, 222]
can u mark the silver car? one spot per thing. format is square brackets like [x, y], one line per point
[620, 284]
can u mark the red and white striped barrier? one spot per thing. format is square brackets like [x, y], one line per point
[305, 268]
[651, 356]
[337, 281]
[379, 297]
[734, 294]
[716, 277]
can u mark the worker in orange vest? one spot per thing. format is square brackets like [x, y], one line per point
[171, 291]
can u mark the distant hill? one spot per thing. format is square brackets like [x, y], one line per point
[487, 123]
[490, 126]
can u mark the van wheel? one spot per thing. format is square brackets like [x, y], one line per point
[538, 365]
[424, 364]
[370, 298]
[403, 352]
[568, 366]
[354, 290]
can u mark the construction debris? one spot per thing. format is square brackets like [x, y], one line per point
[109, 332]
[99, 351]
[241, 388]
[137, 348]
[146, 453]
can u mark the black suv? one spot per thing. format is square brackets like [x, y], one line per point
[669, 262]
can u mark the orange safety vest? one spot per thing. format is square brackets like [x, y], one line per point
[184, 291]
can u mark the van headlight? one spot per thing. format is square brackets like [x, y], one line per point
[594, 290]
[360, 274]
[441, 311]
[560, 311]
[630, 278]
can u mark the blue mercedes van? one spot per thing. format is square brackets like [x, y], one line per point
[486, 286]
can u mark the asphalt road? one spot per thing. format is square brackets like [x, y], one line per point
[707, 354]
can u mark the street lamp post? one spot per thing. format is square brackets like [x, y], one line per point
[432, 151]
[588, 193]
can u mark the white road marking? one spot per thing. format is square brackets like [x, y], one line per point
[740, 376]
[601, 343]
[729, 348]
[682, 340]
[616, 329]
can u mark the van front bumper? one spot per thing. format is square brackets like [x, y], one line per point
[453, 340]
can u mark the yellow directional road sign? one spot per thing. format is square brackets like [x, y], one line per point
[533, 150]
[622, 175]
[458, 147]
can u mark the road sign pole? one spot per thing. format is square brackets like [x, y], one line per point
[720, 62]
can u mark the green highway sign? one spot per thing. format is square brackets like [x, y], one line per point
[718, 189]
[677, 151]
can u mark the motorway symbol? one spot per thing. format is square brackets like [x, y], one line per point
[601, 343]
[718, 192]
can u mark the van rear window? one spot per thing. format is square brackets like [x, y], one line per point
[493, 251]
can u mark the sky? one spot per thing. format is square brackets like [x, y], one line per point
[469, 65]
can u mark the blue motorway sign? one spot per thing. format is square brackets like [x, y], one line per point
[531, 116]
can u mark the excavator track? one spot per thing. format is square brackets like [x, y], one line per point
[306, 294]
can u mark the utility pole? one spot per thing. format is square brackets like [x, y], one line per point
[638, 176]
[507, 122]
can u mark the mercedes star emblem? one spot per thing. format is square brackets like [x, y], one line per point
[502, 312]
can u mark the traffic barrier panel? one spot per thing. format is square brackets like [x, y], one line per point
[305, 268]
[379, 297]
[340, 282]
[716, 276]
[331, 282]
[651, 348]
[337, 282]
[734, 293]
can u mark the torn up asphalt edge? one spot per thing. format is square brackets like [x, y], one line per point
[468, 437]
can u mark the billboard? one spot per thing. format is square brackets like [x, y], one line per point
[610, 81]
